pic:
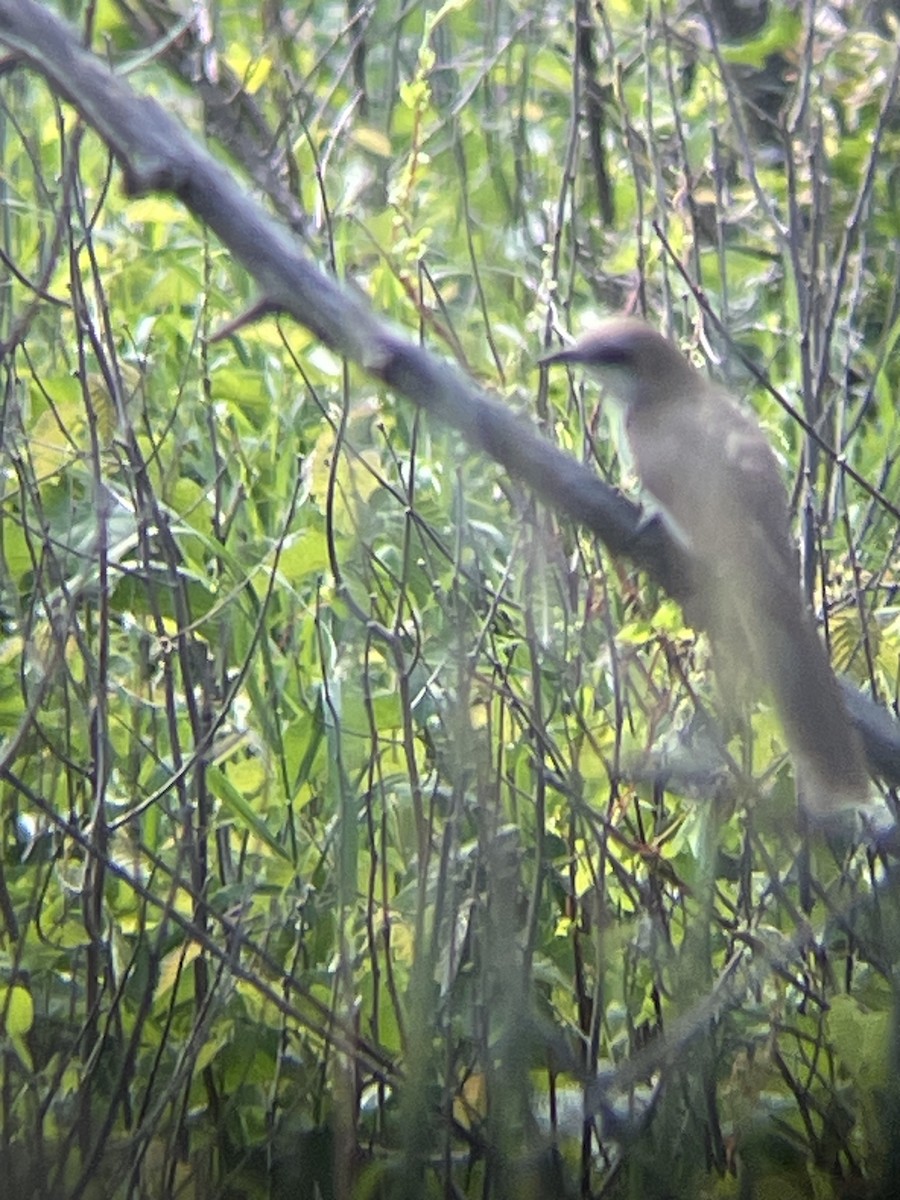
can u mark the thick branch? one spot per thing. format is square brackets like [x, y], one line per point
[157, 154]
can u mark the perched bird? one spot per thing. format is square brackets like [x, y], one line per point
[711, 471]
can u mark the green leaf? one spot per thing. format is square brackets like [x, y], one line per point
[17, 1007]
[861, 1039]
[238, 805]
[779, 34]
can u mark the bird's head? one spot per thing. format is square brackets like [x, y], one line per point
[637, 364]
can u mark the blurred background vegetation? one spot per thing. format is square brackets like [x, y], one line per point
[326, 865]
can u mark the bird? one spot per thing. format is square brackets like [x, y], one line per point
[710, 470]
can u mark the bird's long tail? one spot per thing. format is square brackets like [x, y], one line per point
[828, 755]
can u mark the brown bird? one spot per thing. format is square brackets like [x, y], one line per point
[710, 469]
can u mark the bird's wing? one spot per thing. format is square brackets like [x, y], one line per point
[712, 471]
[711, 468]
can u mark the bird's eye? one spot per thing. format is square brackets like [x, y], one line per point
[615, 356]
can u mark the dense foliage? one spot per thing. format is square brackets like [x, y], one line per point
[336, 860]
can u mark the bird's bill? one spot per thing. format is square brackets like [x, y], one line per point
[568, 354]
